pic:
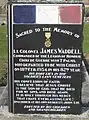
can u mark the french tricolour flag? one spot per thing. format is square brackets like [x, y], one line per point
[47, 14]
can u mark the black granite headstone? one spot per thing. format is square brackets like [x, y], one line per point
[44, 63]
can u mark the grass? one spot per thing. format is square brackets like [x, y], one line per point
[4, 56]
[86, 39]
[3, 53]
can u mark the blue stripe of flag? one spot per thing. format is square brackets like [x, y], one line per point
[24, 14]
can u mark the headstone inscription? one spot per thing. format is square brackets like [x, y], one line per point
[45, 54]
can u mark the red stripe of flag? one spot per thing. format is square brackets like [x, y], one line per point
[70, 14]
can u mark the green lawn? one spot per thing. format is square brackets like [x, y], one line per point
[3, 53]
[86, 39]
[3, 49]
